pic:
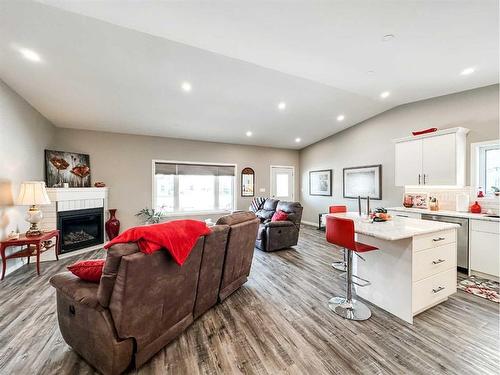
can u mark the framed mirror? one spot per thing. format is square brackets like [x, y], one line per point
[247, 182]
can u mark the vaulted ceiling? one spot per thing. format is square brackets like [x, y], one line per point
[120, 66]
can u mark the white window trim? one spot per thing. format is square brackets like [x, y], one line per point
[192, 213]
[476, 175]
[271, 185]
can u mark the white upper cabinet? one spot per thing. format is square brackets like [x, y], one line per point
[432, 159]
[408, 163]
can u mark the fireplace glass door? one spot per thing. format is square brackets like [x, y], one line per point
[80, 229]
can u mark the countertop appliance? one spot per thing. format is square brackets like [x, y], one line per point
[462, 237]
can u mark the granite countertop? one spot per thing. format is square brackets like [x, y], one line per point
[396, 229]
[466, 215]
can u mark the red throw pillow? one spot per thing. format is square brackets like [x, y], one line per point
[280, 216]
[88, 270]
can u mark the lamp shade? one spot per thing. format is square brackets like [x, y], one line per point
[33, 193]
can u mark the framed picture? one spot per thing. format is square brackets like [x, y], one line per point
[66, 167]
[363, 181]
[320, 182]
[247, 182]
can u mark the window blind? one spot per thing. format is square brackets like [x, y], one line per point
[194, 169]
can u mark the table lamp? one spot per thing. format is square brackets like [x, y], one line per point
[33, 194]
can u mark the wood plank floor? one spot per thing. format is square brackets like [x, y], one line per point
[278, 323]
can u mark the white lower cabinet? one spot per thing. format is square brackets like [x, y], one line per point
[484, 247]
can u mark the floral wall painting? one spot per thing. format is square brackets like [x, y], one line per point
[363, 181]
[66, 167]
[320, 182]
[247, 182]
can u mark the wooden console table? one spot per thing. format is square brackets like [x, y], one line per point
[30, 246]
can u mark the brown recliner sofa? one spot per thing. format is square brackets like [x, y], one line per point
[145, 301]
[277, 235]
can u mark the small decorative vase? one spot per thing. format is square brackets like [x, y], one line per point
[112, 225]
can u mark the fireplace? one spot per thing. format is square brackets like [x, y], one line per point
[80, 229]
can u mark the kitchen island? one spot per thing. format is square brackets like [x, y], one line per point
[415, 267]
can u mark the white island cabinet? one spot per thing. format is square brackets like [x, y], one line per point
[415, 267]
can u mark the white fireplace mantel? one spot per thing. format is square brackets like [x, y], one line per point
[69, 199]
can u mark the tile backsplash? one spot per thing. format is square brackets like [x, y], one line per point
[447, 197]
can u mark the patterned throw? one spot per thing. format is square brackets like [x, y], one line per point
[481, 287]
[257, 204]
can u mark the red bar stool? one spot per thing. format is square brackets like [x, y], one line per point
[340, 232]
[341, 265]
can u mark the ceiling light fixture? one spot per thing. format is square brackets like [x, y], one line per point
[186, 86]
[467, 71]
[340, 118]
[29, 54]
[281, 106]
[388, 37]
[385, 94]
[249, 133]
[297, 140]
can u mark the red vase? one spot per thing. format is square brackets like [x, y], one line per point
[475, 208]
[112, 225]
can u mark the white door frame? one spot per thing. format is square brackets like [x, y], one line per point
[271, 178]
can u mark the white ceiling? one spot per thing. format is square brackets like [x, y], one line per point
[242, 58]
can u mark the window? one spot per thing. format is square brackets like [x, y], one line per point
[185, 187]
[486, 165]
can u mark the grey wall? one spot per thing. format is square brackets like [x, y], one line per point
[24, 134]
[123, 162]
[370, 142]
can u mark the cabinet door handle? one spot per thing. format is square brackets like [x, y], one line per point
[438, 239]
[419, 178]
[402, 215]
[438, 261]
[424, 179]
[437, 290]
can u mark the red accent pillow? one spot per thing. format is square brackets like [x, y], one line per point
[280, 216]
[88, 270]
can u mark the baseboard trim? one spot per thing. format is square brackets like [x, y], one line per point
[309, 223]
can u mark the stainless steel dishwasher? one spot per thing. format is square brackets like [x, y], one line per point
[462, 237]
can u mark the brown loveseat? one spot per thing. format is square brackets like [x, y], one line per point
[145, 301]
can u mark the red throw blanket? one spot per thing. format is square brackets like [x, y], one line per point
[178, 237]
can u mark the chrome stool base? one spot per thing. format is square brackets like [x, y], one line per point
[355, 310]
[340, 266]
[336, 301]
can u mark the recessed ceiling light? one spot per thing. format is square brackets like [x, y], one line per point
[388, 37]
[281, 106]
[340, 118]
[467, 71]
[186, 86]
[30, 54]
[297, 140]
[249, 133]
[385, 94]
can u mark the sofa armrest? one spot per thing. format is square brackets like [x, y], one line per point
[76, 289]
[280, 224]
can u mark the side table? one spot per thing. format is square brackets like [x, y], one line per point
[30, 246]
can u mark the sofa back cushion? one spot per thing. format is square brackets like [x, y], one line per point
[243, 228]
[212, 264]
[152, 293]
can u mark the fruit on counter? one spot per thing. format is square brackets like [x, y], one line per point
[475, 208]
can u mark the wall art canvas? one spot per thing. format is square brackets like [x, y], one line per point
[66, 167]
[320, 182]
[363, 181]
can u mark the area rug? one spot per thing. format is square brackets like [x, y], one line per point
[481, 287]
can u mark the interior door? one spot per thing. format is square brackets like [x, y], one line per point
[439, 160]
[409, 163]
[282, 184]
